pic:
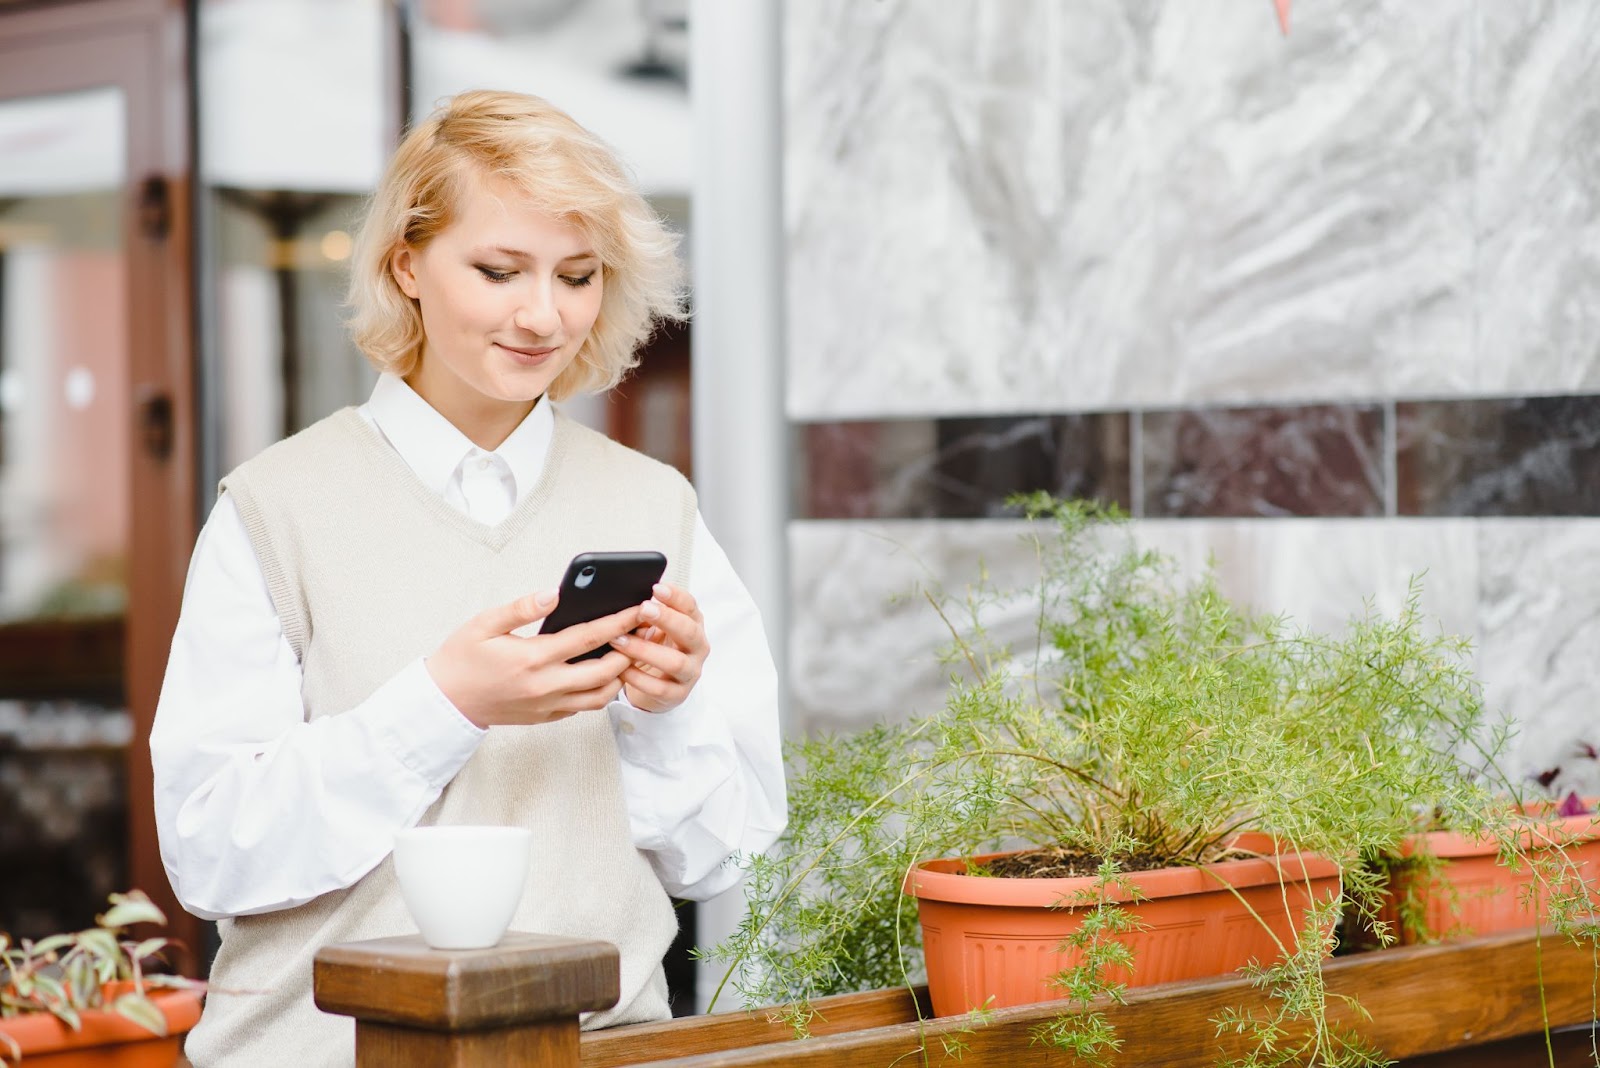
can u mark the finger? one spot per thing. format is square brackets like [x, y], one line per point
[670, 662]
[654, 686]
[580, 638]
[505, 618]
[590, 700]
[588, 674]
[678, 598]
[684, 630]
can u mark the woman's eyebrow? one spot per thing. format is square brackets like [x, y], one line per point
[519, 254]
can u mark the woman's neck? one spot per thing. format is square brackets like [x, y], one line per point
[484, 421]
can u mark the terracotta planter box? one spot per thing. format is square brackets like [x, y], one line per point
[107, 1040]
[1473, 894]
[1001, 938]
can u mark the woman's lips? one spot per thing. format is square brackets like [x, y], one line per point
[527, 356]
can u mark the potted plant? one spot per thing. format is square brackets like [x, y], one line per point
[1150, 733]
[1539, 863]
[85, 999]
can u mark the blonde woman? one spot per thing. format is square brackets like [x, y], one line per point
[345, 667]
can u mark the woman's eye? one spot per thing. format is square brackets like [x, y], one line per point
[493, 275]
[577, 283]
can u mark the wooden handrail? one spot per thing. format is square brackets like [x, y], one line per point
[617, 1047]
[517, 1003]
[1423, 1000]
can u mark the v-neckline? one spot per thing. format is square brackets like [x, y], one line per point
[495, 537]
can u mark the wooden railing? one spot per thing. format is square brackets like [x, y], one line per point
[1485, 1002]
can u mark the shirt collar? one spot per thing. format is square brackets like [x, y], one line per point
[433, 448]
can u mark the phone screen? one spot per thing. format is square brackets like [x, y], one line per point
[598, 584]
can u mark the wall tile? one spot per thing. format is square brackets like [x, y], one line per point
[958, 468]
[1312, 201]
[1521, 456]
[863, 470]
[863, 640]
[1319, 460]
[863, 643]
[1537, 196]
[1321, 572]
[1539, 619]
[1047, 207]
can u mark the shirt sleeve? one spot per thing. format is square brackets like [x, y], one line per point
[704, 781]
[256, 808]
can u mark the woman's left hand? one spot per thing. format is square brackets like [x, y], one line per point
[668, 655]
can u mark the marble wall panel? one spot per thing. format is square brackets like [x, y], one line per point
[1316, 460]
[1313, 202]
[942, 205]
[1540, 628]
[863, 640]
[1524, 456]
[1538, 196]
[957, 468]
[863, 644]
[1037, 206]
[1322, 572]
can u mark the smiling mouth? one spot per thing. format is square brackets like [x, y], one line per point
[530, 353]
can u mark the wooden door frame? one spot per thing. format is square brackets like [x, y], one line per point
[141, 47]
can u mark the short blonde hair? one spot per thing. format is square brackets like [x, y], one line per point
[565, 171]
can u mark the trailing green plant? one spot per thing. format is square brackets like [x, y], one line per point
[96, 969]
[1148, 722]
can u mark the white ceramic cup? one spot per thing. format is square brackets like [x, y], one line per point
[462, 884]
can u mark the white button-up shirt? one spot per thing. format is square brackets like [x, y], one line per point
[259, 810]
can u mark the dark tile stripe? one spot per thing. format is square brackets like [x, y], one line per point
[1513, 456]
[957, 468]
[1315, 460]
[1526, 456]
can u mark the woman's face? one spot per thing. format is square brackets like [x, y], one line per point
[507, 294]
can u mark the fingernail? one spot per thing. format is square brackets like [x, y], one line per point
[661, 589]
[620, 640]
[650, 610]
[545, 598]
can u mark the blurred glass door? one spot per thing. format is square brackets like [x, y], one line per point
[63, 504]
[96, 461]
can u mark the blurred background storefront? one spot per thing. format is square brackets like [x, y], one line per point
[179, 186]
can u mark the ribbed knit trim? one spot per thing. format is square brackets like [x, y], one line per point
[495, 537]
[291, 608]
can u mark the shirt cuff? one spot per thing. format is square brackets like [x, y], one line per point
[651, 739]
[421, 727]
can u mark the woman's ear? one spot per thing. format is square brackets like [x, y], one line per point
[400, 265]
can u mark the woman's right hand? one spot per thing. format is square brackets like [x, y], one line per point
[495, 677]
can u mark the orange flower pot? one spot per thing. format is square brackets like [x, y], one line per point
[107, 1040]
[1001, 938]
[1474, 894]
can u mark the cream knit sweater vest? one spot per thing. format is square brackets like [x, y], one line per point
[369, 570]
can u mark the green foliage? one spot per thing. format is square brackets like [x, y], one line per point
[1280, 1035]
[1149, 717]
[1084, 1031]
[67, 974]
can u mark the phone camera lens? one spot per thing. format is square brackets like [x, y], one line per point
[585, 577]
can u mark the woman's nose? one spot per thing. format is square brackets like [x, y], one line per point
[537, 313]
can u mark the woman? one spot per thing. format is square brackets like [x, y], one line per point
[355, 653]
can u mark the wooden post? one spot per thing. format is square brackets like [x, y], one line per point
[517, 1003]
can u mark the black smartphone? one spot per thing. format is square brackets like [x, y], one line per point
[598, 584]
